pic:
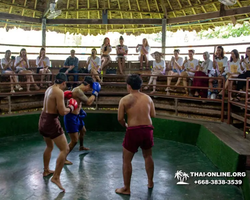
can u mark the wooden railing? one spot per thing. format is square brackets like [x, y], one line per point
[123, 83]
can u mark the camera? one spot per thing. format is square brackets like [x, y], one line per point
[105, 48]
[13, 58]
[242, 57]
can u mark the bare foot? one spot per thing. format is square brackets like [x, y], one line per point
[48, 172]
[37, 88]
[145, 88]
[150, 185]
[68, 162]
[58, 183]
[83, 149]
[152, 92]
[122, 190]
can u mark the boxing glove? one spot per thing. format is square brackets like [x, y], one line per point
[82, 114]
[96, 88]
[68, 94]
[72, 104]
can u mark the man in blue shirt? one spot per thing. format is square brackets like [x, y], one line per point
[71, 66]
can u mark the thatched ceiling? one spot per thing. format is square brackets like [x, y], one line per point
[119, 9]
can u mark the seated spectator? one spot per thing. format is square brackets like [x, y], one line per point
[143, 50]
[105, 51]
[7, 65]
[121, 51]
[233, 69]
[94, 65]
[71, 66]
[176, 68]
[246, 65]
[22, 68]
[42, 63]
[204, 69]
[219, 64]
[159, 67]
[190, 67]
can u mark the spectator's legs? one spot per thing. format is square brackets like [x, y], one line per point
[141, 62]
[120, 64]
[95, 75]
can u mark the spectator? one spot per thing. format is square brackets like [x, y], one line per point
[219, 64]
[143, 50]
[176, 68]
[246, 64]
[204, 69]
[70, 67]
[94, 65]
[7, 65]
[190, 67]
[233, 69]
[42, 63]
[159, 67]
[121, 51]
[105, 51]
[22, 68]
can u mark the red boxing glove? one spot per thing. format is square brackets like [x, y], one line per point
[68, 94]
[72, 104]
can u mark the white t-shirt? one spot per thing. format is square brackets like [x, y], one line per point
[234, 67]
[94, 63]
[221, 64]
[4, 62]
[141, 52]
[45, 62]
[23, 64]
[208, 68]
[124, 48]
[179, 61]
[102, 48]
[244, 65]
[191, 65]
[159, 68]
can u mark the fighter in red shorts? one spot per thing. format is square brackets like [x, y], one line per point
[50, 127]
[73, 122]
[139, 108]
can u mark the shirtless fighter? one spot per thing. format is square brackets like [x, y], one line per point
[50, 127]
[139, 108]
[73, 122]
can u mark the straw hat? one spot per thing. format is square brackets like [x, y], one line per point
[156, 52]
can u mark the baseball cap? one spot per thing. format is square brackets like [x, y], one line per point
[88, 80]
[60, 78]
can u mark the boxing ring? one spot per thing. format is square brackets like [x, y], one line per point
[179, 145]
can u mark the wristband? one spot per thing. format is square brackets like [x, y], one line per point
[70, 107]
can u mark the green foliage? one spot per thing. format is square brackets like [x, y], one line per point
[226, 31]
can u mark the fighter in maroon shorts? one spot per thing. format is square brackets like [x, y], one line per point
[50, 127]
[139, 108]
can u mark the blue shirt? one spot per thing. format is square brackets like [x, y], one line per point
[72, 61]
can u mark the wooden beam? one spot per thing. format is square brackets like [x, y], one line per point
[10, 10]
[19, 18]
[18, 6]
[163, 42]
[210, 15]
[44, 32]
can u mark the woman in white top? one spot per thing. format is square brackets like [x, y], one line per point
[42, 63]
[219, 64]
[159, 67]
[234, 68]
[7, 65]
[94, 65]
[121, 51]
[245, 62]
[176, 68]
[105, 51]
[143, 50]
[190, 67]
[22, 65]
[203, 69]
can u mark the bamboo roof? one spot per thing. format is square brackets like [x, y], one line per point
[121, 9]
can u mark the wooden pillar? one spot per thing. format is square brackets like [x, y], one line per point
[44, 32]
[163, 39]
